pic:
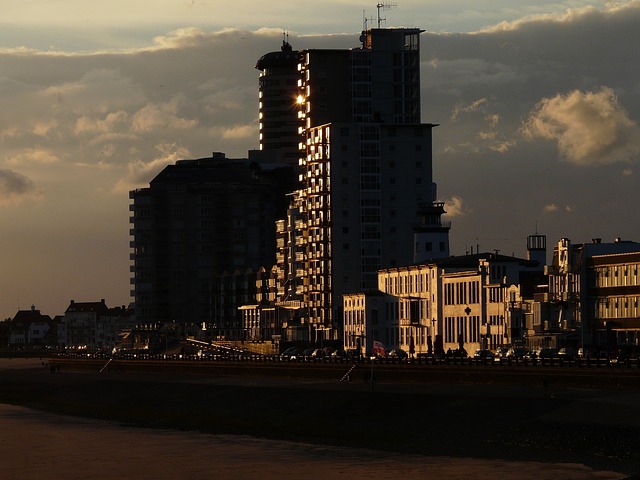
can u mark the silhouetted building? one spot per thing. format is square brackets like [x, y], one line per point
[200, 232]
[30, 327]
[81, 321]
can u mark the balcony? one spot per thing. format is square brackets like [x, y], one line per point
[551, 269]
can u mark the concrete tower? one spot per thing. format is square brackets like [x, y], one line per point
[278, 107]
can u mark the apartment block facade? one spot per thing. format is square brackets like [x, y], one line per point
[366, 170]
[201, 231]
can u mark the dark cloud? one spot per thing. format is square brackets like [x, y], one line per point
[91, 126]
[521, 107]
[14, 187]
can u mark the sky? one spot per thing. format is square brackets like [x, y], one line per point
[538, 104]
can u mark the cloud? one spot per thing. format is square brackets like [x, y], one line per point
[14, 187]
[153, 117]
[140, 173]
[33, 156]
[590, 128]
[472, 107]
[552, 208]
[240, 131]
[455, 207]
[124, 115]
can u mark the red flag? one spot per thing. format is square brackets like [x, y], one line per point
[378, 349]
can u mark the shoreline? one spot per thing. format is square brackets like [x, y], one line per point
[74, 448]
[598, 429]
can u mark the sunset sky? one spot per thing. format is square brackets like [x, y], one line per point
[538, 104]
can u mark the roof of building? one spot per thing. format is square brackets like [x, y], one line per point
[219, 170]
[81, 307]
[26, 317]
[470, 261]
[287, 56]
[475, 258]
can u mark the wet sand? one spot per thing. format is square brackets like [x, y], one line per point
[36, 445]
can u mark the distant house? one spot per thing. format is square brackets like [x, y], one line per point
[29, 327]
[111, 325]
[93, 325]
[81, 323]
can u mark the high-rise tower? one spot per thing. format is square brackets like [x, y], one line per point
[278, 107]
[366, 170]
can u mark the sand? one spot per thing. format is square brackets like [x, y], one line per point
[37, 445]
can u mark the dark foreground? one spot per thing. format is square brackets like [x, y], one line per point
[598, 428]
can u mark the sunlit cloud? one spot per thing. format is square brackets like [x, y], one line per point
[472, 107]
[109, 123]
[240, 131]
[552, 208]
[140, 173]
[33, 156]
[590, 128]
[152, 117]
[564, 16]
[455, 207]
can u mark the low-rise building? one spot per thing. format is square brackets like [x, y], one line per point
[30, 327]
[591, 298]
[455, 303]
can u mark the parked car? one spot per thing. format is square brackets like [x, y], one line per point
[457, 353]
[567, 353]
[398, 353]
[501, 352]
[483, 354]
[302, 355]
[328, 351]
[547, 353]
[289, 352]
[516, 353]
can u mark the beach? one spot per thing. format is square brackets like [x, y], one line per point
[39, 444]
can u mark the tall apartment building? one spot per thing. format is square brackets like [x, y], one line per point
[366, 175]
[201, 231]
[278, 104]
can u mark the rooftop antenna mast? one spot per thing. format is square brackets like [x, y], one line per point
[383, 7]
[366, 20]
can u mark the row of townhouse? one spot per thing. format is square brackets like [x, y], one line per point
[587, 297]
[90, 325]
[450, 303]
